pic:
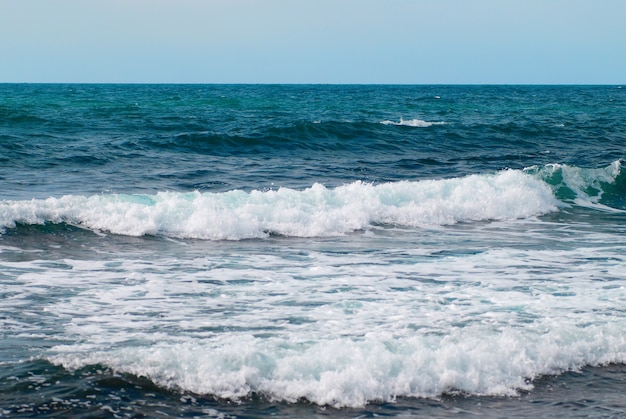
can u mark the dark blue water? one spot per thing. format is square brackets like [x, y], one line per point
[152, 138]
[344, 251]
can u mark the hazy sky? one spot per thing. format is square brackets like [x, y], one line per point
[313, 41]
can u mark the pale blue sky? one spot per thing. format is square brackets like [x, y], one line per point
[314, 41]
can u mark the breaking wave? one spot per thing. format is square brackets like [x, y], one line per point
[316, 211]
[418, 123]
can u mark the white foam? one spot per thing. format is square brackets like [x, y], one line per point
[377, 367]
[340, 329]
[316, 211]
[418, 123]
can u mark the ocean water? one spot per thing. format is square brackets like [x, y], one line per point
[312, 251]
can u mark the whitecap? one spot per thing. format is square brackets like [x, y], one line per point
[317, 211]
[418, 123]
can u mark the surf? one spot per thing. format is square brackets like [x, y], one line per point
[316, 211]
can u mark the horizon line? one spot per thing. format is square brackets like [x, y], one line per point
[300, 83]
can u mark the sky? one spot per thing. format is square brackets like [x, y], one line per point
[314, 41]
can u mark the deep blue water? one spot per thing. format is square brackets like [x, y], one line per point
[343, 251]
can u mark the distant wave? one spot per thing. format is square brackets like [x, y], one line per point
[314, 212]
[413, 123]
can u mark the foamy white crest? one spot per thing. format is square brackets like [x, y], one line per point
[419, 123]
[316, 211]
[379, 367]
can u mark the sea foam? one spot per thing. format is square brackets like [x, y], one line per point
[379, 367]
[316, 211]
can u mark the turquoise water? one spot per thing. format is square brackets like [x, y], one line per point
[185, 250]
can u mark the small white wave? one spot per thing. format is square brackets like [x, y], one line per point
[316, 211]
[419, 123]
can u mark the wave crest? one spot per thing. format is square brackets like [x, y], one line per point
[601, 188]
[344, 372]
[313, 212]
[418, 123]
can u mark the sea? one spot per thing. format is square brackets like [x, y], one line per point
[323, 251]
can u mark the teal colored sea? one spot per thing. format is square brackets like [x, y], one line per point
[312, 251]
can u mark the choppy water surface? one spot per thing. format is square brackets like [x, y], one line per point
[245, 251]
